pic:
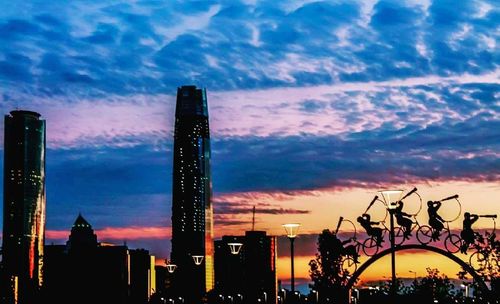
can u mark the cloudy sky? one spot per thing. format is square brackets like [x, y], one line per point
[314, 106]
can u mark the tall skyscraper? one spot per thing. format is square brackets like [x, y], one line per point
[24, 203]
[192, 218]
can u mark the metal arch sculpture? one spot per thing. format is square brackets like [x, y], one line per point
[447, 254]
[425, 234]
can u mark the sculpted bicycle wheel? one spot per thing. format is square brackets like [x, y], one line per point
[399, 236]
[424, 234]
[349, 265]
[452, 243]
[478, 261]
[370, 247]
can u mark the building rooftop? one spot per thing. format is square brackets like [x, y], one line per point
[16, 113]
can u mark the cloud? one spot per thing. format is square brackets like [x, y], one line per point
[303, 96]
[131, 48]
[117, 233]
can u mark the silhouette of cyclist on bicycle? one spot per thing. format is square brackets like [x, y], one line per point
[468, 235]
[376, 232]
[403, 221]
[435, 220]
[349, 250]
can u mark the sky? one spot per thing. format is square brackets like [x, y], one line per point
[314, 107]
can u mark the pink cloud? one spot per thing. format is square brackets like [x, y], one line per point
[118, 233]
[118, 120]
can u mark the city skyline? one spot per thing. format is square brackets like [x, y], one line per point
[314, 107]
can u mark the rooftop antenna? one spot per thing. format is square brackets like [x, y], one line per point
[253, 219]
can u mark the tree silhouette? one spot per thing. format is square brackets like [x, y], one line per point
[489, 249]
[326, 269]
[433, 287]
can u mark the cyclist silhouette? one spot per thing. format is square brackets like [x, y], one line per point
[402, 220]
[349, 250]
[468, 235]
[376, 232]
[435, 220]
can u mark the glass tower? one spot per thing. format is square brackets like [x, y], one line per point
[192, 219]
[24, 204]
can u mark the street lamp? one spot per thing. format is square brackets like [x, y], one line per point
[414, 273]
[465, 286]
[235, 247]
[316, 294]
[291, 233]
[198, 259]
[391, 199]
[170, 266]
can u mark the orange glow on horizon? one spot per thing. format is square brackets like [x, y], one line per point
[324, 209]
[327, 206]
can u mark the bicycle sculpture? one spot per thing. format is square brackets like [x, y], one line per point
[350, 253]
[437, 228]
[373, 243]
[483, 258]
[409, 223]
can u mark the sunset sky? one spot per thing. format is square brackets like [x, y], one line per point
[314, 106]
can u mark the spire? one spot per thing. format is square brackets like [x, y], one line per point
[81, 222]
[82, 237]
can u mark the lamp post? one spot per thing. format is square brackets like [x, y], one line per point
[415, 274]
[391, 199]
[316, 295]
[235, 248]
[291, 233]
[465, 286]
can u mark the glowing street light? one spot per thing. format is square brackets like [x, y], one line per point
[170, 266]
[198, 259]
[235, 247]
[391, 198]
[291, 232]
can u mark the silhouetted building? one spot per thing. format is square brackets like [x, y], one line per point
[142, 276]
[112, 275]
[252, 272]
[56, 274]
[192, 223]
[229, 268]
[163, 279]
[24, 206]
[82, 239]
[84, 271]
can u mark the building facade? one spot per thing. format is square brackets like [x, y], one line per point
[249, 276]
[24, 206]
[192, 215]
[142, 276]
